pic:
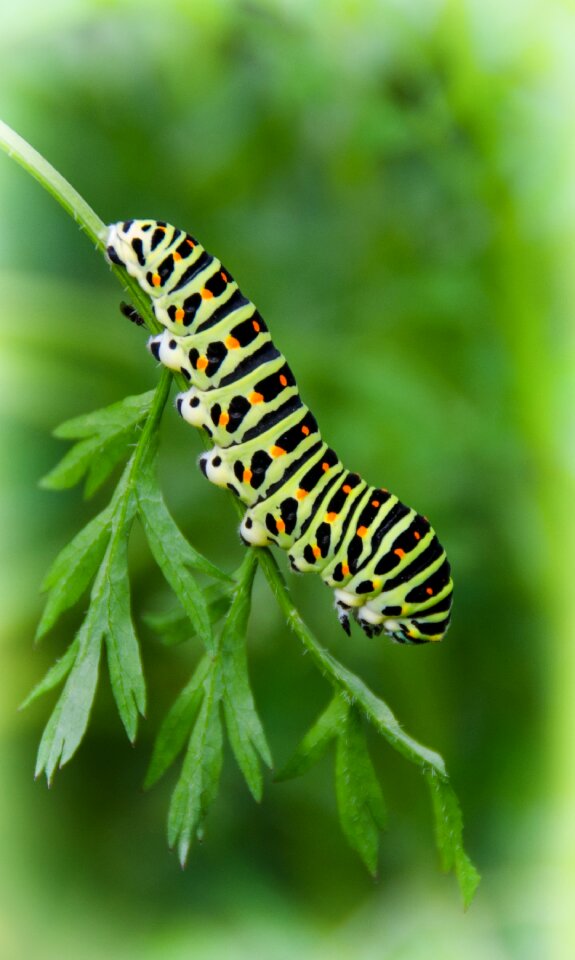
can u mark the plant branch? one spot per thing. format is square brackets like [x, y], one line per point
[378, 714]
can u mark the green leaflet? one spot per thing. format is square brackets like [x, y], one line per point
[449, 836]
[245, 731]
[108, 618]
[156, 516]
[173, 626]
[316, 741]
[177, 723]
[124, 664]
[198, 784]
[221, 678]
[104, 438]
[74, 567]
[109, 420]
[359, 799]
[55, 675]
[173, 553]
[100, 551]
[67, 724]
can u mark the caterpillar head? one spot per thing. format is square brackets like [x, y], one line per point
[163, 259]
[140, 247]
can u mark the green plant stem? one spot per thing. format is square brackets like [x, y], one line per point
[34, 163]
[74, 204]
[375, 710]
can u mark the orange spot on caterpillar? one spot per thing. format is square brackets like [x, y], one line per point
[305, 430]
[224, 276]
[277, 451]
[375, 503]
[256, 326]
[345, 569]
[247, 476]
[330, 517]
[376, 584]
[163, 229]
[156, 279]
[362, 531]
[301, 494]
[224, 419]
[416, 535]
[316, 551]
[206, 294]
[429, 591]
[179, 315]
[325, 467]
[190, 243]
[177, 256]
[346, 488]
[399, 553]
[201, 363]
[232, 343]
[255, 397]
[283, 380]
[280, 526]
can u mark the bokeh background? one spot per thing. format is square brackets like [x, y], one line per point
[391, 181]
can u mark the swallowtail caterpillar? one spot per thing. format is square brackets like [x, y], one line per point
[381, 558]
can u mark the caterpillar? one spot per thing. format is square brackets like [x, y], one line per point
[382, 559]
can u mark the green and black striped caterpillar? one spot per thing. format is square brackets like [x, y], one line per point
[382, 559]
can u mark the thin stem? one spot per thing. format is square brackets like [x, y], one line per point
[73, 203]
[34, 163]
[375, 710]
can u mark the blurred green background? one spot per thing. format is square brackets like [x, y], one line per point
[392, 183]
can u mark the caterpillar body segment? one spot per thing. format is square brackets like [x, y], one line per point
[382, 559]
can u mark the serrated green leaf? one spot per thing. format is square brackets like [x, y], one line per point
[359, 799]
[55, 675]
[67, 724]
[181, 581]
[384, 721]
[72, 467]
[174, 555]
[74, 568]
[177, 723]
[449, 836]
[198, 784]
[246, 757]
[174, 626]
[156, 516]
[109, 456]
[316, 741]
[243, 723]
[110, 419]
[124, 663]
[104, 439]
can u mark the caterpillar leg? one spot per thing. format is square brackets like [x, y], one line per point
[131, 313]
[254, 533]
[342, 610]
[169, 351]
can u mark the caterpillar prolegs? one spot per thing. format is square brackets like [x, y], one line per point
[382, 559]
